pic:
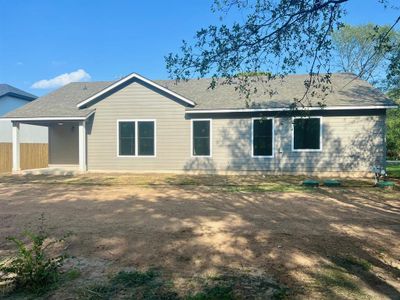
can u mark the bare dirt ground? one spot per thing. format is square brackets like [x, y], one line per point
[324, 243]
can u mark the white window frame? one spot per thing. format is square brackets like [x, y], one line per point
[273, 137]
[137, 137]
[191, 137]
[320, 134]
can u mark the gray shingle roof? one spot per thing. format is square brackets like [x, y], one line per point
[61, 102]
[6, 89]
[347, 90]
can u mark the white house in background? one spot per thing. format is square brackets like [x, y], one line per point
[12, 98]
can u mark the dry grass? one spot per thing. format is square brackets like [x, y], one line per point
[320, 243]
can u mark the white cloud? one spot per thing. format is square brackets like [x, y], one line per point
[61, 80]
[19, 63]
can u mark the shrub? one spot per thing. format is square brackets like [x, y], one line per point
[32, 268]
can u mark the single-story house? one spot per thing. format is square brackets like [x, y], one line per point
[10, 99]
[136, 124]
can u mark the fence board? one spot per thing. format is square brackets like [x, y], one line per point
[33, 156]
[5, 157]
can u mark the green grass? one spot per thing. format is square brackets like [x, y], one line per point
[394, 171]
[335, 282]
[151, 285]
[132, 285]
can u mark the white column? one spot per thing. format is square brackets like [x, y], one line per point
[16, 166]
[82, 146]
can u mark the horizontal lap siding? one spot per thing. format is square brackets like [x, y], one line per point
[138, 102]
[349, 143]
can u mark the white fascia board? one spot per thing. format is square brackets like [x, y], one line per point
[286, 109]
[141, 78]
[49, 118]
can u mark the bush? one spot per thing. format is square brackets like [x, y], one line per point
[32, 268]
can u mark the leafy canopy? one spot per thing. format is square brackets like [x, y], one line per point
[279, 36]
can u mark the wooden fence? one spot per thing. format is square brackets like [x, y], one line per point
[33, 156]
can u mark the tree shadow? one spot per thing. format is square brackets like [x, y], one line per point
[188, 230]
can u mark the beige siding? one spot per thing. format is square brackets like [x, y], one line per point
[63, 144]
[350, 144]
[138, 102]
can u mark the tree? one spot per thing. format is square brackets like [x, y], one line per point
[278, 36]
[359, 50]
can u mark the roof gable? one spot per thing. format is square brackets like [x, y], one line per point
[115, 85]
[8, 90]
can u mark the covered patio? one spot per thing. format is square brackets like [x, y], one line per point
[67, 144]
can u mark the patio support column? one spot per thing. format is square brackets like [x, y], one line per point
[16, 166]
[82, 146]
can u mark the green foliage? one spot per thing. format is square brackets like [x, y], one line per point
[394, 171]
[32, 268]
[254, 74]
[393, 134]
[364, 49]
[274, 35]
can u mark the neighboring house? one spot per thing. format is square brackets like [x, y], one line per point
[135, 124]
[10, 99]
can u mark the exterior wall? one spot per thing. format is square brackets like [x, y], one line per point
[29, 133]
[9, 103]
[64, 144]
[349, 143]
[136, 101]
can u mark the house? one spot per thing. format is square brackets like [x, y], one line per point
[33, 138]
[10, 99]
[136, 124]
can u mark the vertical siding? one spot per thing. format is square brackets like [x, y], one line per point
[350, 143]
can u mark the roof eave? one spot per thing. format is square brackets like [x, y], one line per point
[234, 110]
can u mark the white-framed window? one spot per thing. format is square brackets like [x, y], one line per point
[136, 138]
[307, 134]
[201, 137]
[262, 137]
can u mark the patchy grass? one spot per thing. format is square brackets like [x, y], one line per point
[224, 183]
[152, 285]
[335, 283]
[132, 285]
[351, 262]
[394, 171]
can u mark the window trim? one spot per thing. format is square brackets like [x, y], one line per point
[191, 138]
[273, 138]
[320, 135]
[137, 138]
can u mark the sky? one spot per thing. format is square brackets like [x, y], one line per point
[45, 43]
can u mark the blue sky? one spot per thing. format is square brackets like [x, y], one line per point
[42, 39]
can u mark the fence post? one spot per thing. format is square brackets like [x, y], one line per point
[16, 162]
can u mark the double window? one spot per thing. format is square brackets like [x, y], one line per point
[201, 137]
[263, 137]
[136, 138]
[307, 134]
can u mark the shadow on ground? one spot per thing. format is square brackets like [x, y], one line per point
[315, 243]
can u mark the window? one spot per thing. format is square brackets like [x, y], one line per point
[127, 138]
[307, 134]
[136, 138]
[201, 137]
[146, 138]
[263, 137]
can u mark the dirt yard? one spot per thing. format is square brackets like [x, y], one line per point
[321, 243]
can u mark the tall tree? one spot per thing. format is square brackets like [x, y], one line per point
[278, 36]
[362, 50]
